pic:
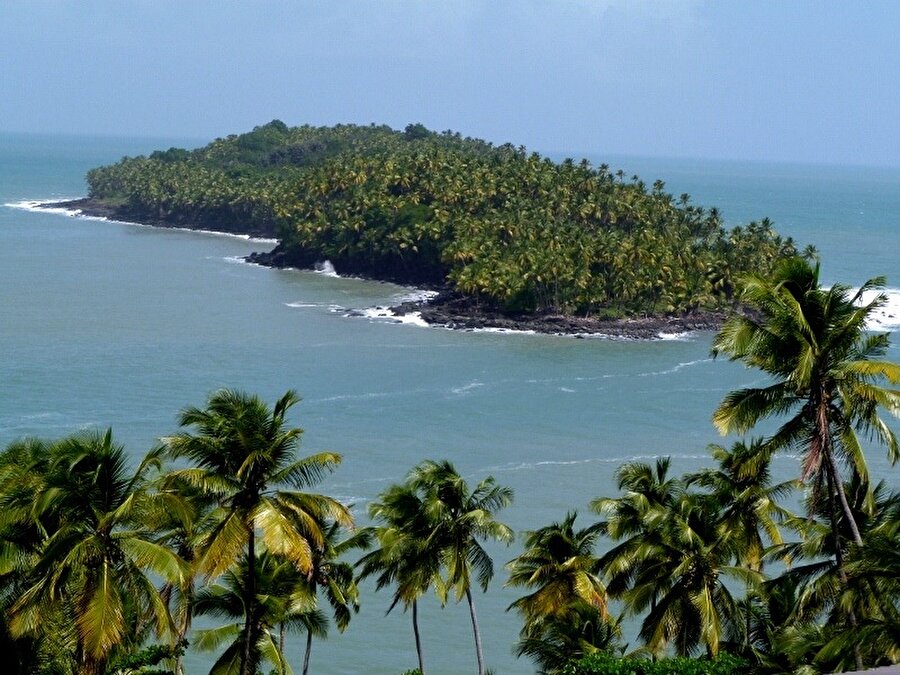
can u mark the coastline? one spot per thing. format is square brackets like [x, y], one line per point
[445, 308]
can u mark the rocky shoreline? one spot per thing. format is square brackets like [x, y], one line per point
[447, 308]
[451, 310]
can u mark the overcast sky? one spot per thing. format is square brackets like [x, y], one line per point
[783, 81]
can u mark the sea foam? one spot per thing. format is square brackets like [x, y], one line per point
[886, 317]
[40, 205]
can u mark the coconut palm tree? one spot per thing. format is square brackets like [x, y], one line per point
[671, 560]
[93, 565]
[559, 564]
[282, 600]
[635, 519]
[859, 601]
[405, 557]
[458, 519]
[749, 514]
[24, 529]
[566, 614]
[693, 604]
[244, 455]
[562, 639]
[335, 578]
[826, 368]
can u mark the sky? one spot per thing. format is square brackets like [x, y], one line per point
[778, 80]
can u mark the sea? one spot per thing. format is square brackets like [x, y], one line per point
[115, 325]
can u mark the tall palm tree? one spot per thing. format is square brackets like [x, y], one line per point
[568, 601]
[635, 519]
[24, 529]
[335, 578]
[859, 600]
[244, 455]
[282, 602]
[670, 561]
[459, 519]
[826, 368]
[405, 557]
[94, 564]
[558, 563]
[749, 513]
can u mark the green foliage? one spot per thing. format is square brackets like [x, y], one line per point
[603, 663]
[140, 662]
[513, 229]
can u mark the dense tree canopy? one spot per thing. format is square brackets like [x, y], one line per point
[511, 229]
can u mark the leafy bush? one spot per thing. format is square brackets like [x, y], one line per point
[606, 664]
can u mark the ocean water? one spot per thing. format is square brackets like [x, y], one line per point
[108, 324]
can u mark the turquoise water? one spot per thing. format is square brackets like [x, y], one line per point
[109, 324]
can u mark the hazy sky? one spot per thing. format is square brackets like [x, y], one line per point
[779, 80]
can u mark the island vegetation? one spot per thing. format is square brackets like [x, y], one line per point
[501, 229]
[104, 565]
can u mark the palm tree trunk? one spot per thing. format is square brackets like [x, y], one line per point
[248, 667]
[823, 429]
[415, 621]
[839, 561]
[308, 651]
[184, 629]
[479, 655]
[851, 521]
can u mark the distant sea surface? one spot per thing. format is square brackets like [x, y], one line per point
[105, 324]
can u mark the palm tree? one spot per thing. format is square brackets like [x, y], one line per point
[243, 454]
[568, 602]
[750, 509]
[559, 564]
[405, 557]
[94, 562]
[335, 578]
[635, 519]
[671, 559]
[181, 516]
[282, 599]
[23, 532]
[562, 639]
[749, 512]
[458, 519]
[858, 600]
[694, 606]
[827, 372]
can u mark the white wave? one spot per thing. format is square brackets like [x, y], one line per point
[567, 390]
[466, 388]
[303, 305]
[38, 206]
[355, 397]
[675, 369]
[326, 269]
[674, 337]
[885, 318]
[531, 466]
[385, 314]
[506, 331]
[416, 295]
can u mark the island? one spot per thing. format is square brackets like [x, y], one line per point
[508, 237]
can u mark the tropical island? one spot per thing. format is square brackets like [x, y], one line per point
[510, 238]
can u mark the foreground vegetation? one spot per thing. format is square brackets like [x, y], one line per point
[507, 229]
[103, 566]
